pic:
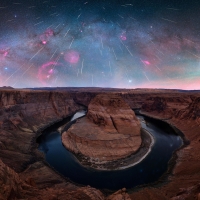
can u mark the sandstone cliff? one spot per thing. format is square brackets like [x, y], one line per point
[24, 174]
[18, 186]
[23, 113]
[110, 130]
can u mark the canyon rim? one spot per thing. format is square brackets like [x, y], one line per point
[26, 112]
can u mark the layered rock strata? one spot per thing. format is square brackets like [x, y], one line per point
[22, 115]
[24, 174]
[110, 131]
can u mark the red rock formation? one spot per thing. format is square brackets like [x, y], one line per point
[16, 186]
[184, 179]
[192, 112]
[24, 175]
[11, 185]
[119, 195]
[109, 132]
[23, 113]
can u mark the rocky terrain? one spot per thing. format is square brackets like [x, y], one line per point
[24, 173]
[110, 130]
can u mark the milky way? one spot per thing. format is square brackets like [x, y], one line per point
[128, 44]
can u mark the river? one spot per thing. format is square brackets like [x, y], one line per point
[148, 170]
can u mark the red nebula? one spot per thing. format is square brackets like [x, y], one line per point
[146, 62]
[72, 56]
[47, 72]
[51, 71]
[3, 54]
[46, 36]
[123, 37]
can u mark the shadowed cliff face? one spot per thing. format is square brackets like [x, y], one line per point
[110, 131]
[166, 105]
[158, 104]
[83, 98]
[181, 112]
[192, 112]
[23, 113]
[24, 174]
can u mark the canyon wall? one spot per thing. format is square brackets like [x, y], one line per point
[23, 113]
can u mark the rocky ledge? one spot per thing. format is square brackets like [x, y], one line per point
[109, 132]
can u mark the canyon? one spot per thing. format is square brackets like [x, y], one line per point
[25, 113]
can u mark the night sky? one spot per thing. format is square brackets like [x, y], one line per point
[108, 43]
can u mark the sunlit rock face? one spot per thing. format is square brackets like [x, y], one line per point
[110, 130]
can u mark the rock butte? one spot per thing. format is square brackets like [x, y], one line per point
[23, 112]
[110, 130]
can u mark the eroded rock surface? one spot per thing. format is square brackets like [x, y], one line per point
[24, 174]
[119, 195]
[22, 114]
[110, 130]
[25, 186]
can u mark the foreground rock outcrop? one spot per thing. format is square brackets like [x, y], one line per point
[18, 186]
[110, 130]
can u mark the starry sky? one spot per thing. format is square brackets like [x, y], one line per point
[107, 43]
